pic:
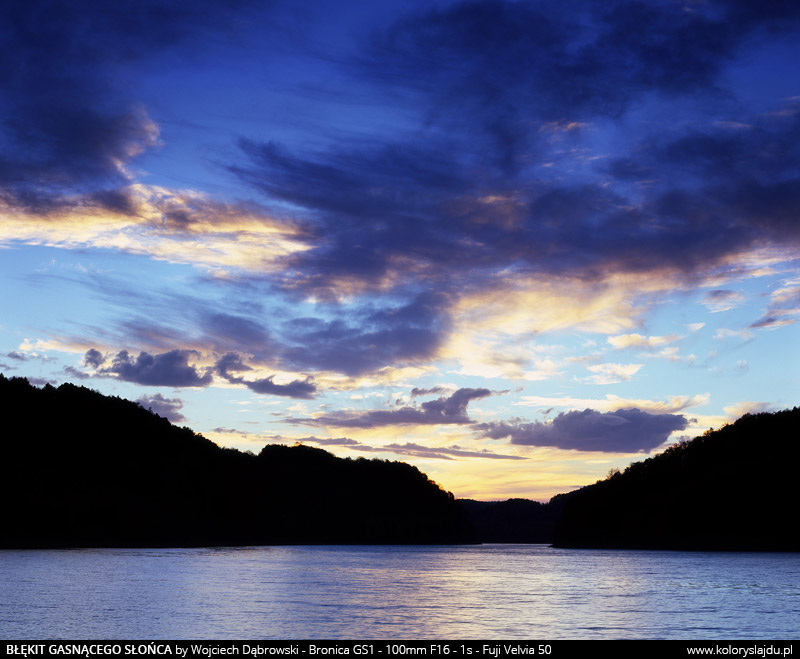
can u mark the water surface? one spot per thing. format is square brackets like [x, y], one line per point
[379, 592]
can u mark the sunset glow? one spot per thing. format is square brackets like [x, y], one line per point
[515, 244]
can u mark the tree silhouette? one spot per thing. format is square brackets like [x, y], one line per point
[83, 469]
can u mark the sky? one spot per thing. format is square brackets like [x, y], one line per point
[516, 244]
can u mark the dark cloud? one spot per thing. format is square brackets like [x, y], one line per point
[506, 85]
[504, 103]
[93, 358]
[370, 208]
[304, 389]
[624, 431]
[226, 332]
[720, 189]
[232, 363]
[585, 54]
[488, 68]
[68, 123]
[169, 408]
[16, 355]
[405, 334]
[171, 369]
[450, 410]
[427, 392]
[75, 373]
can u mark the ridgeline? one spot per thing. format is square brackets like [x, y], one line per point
[81, 469]
[731, 489]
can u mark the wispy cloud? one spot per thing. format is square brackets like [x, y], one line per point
[450, 410]
[623, 341]
[611, 373]
[611, 403]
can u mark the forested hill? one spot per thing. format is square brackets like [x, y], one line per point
[730, 489]
[82, 469]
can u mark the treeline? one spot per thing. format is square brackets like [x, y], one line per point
[82, 469]
[513, 520]
[731, 489]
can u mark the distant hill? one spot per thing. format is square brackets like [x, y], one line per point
[735, 488]
[83, 469]
[513, 520]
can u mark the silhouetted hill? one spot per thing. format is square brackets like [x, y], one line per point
[513, 520]
[82, 469]
[731, 489]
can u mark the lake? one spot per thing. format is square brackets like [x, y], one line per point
[397, 592]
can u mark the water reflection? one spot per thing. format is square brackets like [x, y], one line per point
[490, 591]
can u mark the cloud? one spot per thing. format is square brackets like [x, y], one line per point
[492, 77]
[439, 453]
[724, 334]
[611, 403]
[611, 373]
[784, 307]
[181, 226]
[169, 408]
[523, 191]
[627, 430]
[69, 131]
[40, 382]
[231, 362]
[745, 407]
[427, 392]
[330, 441]
[27, 355]
[409, 333]
[94, 358]
[304, 389]
[623, 341]
[411, 449]
[500, 59]
[722, 300]
[171, 369]
[75, 373]
[450, 410]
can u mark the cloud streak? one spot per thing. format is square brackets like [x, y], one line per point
[441, 411]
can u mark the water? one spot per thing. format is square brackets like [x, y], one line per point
[448, 593]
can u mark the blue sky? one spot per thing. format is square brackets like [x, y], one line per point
[514, 244]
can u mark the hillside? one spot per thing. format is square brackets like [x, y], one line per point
[82, 469]
[731, 489]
